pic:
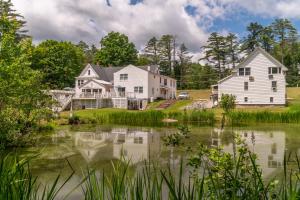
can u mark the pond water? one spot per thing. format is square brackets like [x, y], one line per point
[97, 146]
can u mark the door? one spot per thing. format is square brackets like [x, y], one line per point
[121, 91]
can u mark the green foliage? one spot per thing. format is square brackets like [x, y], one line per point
[89, 52]
[151, 51]
[175, 139]
[227, 103]
[59, 61]
[242, 117]
[17, 182]
[22, 102]
[201, 77]
[74, 120]
[116, 50]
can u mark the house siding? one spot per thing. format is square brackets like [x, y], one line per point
[136, 78]
[260, 90]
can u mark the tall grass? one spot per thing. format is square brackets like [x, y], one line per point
[143, 118]
[204, 117]
[209, 174]
[17, 183]
[242, 117]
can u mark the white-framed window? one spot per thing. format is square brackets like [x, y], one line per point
[152, 91]
[245, 99]
[123, 77]
[138, 89]
[89, 72]
[274, 86]
[274, 70]
[271, 99]
[80, 82]
[138, 140]
[246, 86]
[245, 71]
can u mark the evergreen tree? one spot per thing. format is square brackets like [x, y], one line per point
[151, 51]
[89, 52]
[233, 50]
[182, 66]
[267, 39]
[215, 52]
[12, 17]
[253, 38]
[165, 50]
[285, 33]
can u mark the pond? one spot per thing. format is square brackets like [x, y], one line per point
[76, 148]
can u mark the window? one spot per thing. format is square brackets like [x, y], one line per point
[80, 82]
[245, 99]
[274, 86]
[123, 77]
[245, 71]
[138, 89]
[165, 81]
[241, 71]
[160, 80]
[89, 72]
[271, 99]
[246, 85]
[274, 70]
[138, 140]
[152, 91]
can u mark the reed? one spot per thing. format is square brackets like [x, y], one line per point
[242, 117]
[16, 181]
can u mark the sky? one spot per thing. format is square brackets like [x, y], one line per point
[190, 20]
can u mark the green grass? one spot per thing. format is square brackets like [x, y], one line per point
[207, 174]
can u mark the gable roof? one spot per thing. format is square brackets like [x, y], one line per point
[99, 82]
[106, 73]
[258, 50]
[251, 56]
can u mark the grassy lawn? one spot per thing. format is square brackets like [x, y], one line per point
[292, 93]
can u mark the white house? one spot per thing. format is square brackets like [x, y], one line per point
[258, 80]
[122, 87]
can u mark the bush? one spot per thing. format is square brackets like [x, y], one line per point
[74, 120]
[227, 102]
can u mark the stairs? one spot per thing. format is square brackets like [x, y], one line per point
[166, 104]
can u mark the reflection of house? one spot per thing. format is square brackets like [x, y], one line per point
[268, 145]
[91, 144]
[133, 145]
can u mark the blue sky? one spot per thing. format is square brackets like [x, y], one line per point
[190, 20]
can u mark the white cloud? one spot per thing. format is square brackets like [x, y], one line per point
[89, 20]
[269, 8]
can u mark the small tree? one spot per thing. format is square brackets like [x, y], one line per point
[227, 102]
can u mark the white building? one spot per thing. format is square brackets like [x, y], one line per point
[129, 87]
[258, 80]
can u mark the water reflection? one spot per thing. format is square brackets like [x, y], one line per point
[118, 143]
[269, 146]
[98, 146]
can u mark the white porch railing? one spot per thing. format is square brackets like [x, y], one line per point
[108, 95]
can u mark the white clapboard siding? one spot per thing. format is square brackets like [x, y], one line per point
[259, 91]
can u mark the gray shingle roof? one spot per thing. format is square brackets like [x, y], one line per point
[106, 73]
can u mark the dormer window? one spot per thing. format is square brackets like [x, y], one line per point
[89, 72]
[245, 71]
